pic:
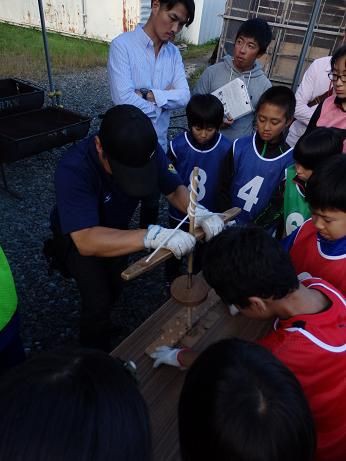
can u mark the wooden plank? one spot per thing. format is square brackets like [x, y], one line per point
[161, 387]
[139, 267]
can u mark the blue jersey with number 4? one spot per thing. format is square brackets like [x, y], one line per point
[210, 163]
[255, 178]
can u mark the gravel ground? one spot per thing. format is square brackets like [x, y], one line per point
[49, 304]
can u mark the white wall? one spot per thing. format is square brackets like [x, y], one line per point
[191, 33]
[104, 19]
[212, 20]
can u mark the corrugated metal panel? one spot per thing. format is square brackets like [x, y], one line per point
[207, 24]
[145, 9]
[105, 19]
[212, 20]
[191, 33]
[289, 20]
[64, 15]
[77, 17]
[19, 12]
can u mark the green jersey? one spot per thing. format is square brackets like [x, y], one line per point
[8, 295]
[296, 209]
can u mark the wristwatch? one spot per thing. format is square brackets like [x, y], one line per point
[144, 92]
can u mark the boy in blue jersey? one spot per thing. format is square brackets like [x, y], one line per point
[202, 146]
[254, 173]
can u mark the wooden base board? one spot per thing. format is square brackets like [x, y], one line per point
[190, 296]
[161, 387]
[176, 330]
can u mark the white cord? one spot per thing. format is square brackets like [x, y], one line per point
[192, 210]
[191, 213]
[167, 238]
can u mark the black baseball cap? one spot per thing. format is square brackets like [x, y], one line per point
[129, 141]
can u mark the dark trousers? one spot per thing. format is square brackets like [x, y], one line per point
[11, 346]
[99, 284]
[12, 354]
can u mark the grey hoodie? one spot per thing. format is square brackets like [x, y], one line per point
[221, 73]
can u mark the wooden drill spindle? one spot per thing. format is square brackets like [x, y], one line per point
[192, 209]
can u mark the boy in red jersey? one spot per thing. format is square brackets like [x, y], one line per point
[250, 269]
[319, 245]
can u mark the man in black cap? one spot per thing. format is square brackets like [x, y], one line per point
[98, 185]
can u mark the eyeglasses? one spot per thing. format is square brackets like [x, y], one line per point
[336, 77]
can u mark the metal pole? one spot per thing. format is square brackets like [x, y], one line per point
[84, 14]
[306, 44]
[53, 95]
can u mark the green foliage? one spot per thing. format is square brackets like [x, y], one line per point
[22, 52]
[198, 51]
[192, 80]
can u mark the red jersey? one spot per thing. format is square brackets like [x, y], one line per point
[313, 346]
[320, 257]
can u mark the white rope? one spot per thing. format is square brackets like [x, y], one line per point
[167, 238]
[193, 203]
[191, 213]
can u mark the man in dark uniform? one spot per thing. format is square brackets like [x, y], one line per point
[98, 185]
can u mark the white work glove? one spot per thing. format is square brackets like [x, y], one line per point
[210, 222]
[180, 243]
[165, 355]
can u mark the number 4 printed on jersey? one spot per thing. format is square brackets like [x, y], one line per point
[250, 191]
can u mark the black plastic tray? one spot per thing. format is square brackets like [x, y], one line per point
[19, 96]
[29, 133]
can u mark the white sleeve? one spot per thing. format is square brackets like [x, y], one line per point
[315, 82]
[121, 82]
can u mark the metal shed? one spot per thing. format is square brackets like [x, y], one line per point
[290, 20]
[109, 18]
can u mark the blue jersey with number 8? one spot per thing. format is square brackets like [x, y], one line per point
[210, 163]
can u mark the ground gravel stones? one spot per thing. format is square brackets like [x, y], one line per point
[49, 304]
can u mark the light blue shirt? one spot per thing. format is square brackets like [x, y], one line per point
[132, 65]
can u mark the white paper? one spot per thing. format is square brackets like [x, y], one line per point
[235, 98]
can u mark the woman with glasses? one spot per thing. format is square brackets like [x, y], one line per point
[332, 111]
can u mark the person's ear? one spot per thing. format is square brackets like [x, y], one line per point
[156, 5]
[257, 306]
[102, 155]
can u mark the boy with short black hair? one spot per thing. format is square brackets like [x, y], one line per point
[254, 175]
[203, 146]
[262, 397]
[319, 245]
[309, 152]
[252, 40]
[250, 269]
